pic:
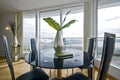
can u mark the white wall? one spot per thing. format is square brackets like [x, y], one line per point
[4, 21]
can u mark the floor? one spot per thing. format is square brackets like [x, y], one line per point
[21, 67]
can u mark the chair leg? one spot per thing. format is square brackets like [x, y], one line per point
[67, 72]
[32, 67]
[90, 72]
[50, 72]
[72, 70]
[81, 70]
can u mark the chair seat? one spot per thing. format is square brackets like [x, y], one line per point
[77, 76]
[35, 74]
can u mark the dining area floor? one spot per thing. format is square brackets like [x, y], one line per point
[21, 67]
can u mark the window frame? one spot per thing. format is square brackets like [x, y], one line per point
[113, 70]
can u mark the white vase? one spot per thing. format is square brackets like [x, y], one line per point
[58, 43]
[15, 41]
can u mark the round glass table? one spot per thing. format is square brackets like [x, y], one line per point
[46, 58]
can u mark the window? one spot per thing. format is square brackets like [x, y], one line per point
[47, 33]
[109, 21]
[73, 35]
[29, 29]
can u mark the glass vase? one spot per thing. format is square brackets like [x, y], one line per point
[58, 43]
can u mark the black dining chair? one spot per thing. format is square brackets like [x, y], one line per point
[34, 51]
[89, 56]
[107, 53]
[35, 74]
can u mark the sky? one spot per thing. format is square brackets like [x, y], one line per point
[109, 20]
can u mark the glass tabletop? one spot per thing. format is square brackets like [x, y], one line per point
[46, 58]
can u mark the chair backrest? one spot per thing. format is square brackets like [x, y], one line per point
[91, 47]
[33, 49]
[107, 53]
[7, 56]
[89, 55]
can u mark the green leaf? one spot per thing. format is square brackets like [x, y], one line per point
[52, 23]
[68, 24]
[58, 26]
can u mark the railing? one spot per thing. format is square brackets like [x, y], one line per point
[76, 43]
[117, 46]
[71, 43]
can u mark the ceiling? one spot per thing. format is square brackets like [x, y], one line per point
[23, 5]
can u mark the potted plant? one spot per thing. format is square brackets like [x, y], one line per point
[58, 44]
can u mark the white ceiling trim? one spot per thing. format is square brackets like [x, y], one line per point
[57, 7]
[24, 5]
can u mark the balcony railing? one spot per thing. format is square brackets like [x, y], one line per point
[49, 42]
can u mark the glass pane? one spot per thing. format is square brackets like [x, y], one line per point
[73, 35]
[47, 33]
[29, 30]
[109, 22]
